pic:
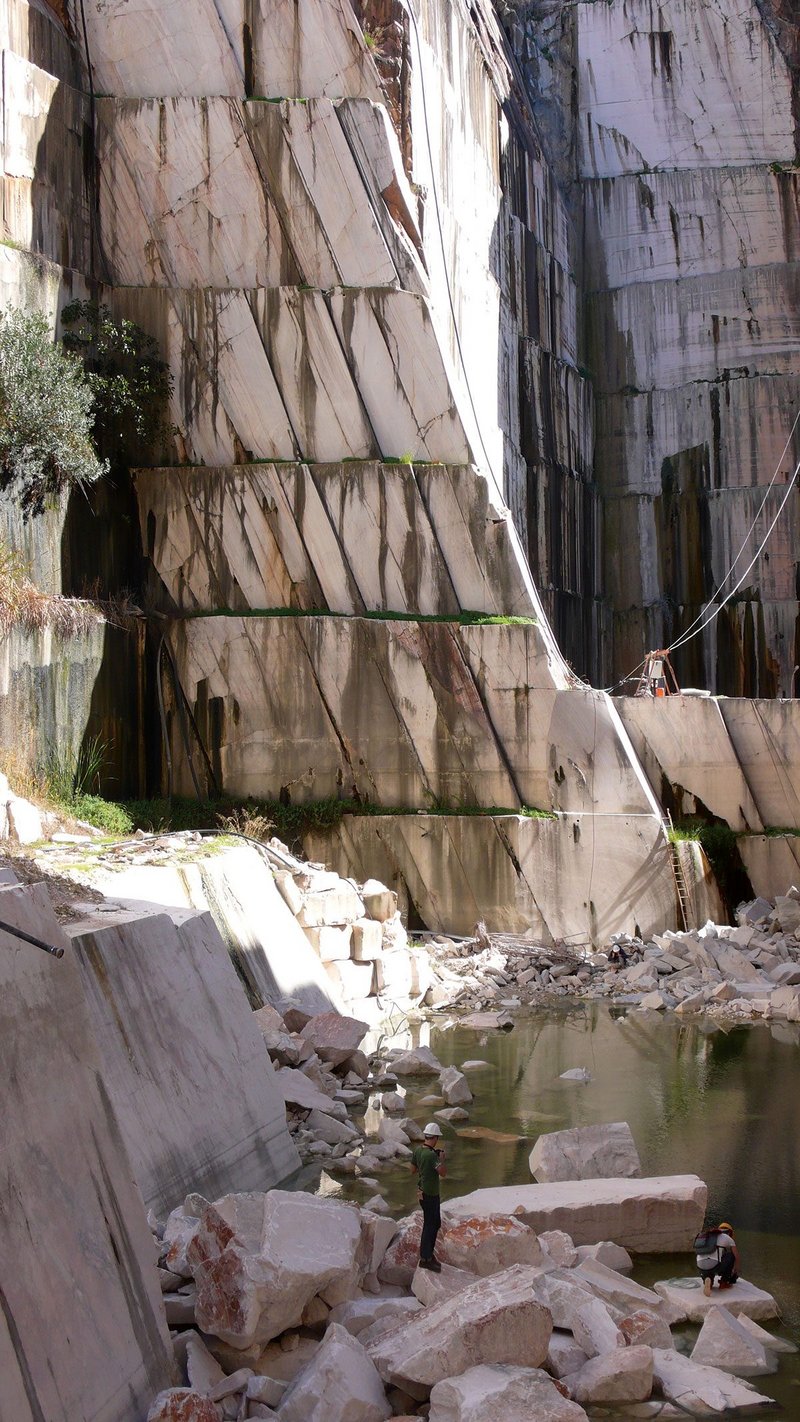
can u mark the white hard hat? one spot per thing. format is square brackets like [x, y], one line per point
[432, 1129]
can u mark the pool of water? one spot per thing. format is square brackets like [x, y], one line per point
[719, 1104]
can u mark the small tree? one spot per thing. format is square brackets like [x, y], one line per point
[46, 414]
[131, 383]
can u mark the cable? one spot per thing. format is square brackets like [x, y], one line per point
[752, 527]
[688, 636]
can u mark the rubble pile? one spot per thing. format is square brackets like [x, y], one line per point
[324, 1075]
[741, 972]
[308, 1309]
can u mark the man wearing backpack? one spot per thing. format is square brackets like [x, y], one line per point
[717, 1257]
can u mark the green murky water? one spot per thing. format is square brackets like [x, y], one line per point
[722, 1105]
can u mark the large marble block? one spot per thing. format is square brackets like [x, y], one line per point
[283, 373]
[347, 537]
[286, 49]
[270, 951]
[566, 878]
[183, 1060]
[82, 1326]
[42, 165]
[221, 192]
[683, 88]
[684, 740]
[655, 226]
[656, 1215]
[665, 334]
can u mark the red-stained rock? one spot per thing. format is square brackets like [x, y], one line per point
[482, 1245]
[181, 1404]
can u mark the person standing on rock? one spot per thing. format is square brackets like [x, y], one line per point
[722, 1261]
[427, 1162]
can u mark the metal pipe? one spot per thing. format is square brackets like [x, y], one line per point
[29, 938]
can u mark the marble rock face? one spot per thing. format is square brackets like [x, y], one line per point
[504, 1393]
[258, 1260]
[197, 1100]
[340, 1384]
[586, 1152]
[68, 1188]
[495, 1320]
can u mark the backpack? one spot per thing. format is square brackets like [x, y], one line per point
[705, 1243]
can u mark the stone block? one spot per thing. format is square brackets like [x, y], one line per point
[258, 1260]
[331, 907]
[183, 1058]
[334, 1037]
[380, 903]
[503, 1392]
[69, 1188]
[454, 1087]
[330, 944]
[563, 1354]
[352, 982]
[625, 1375]
[642, 1326]
[367, 940]
[724, 1343]
[586, 1152]
[182, 1404]
[495, 1320]
[659, 1214]
[687, 1295]
[341, 1384]
[699, 1389]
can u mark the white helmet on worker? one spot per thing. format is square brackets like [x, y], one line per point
[432, 1129]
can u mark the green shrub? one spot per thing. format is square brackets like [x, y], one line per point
[131, 383]
[46, 415]
[103, 814]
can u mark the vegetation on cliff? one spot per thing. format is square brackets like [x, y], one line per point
[46, 414]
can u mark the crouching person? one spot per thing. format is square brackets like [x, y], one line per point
[717, 1257]
[427, 1162]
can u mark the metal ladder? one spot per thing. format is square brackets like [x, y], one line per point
[678, 874]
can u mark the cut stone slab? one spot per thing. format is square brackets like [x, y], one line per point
[625, 1375]
[503, 1393]
[724, 1343]
[655, 1215]
[334, 1037]
[341, 1384]
[687, 1295]
[616, 1289]
[586, 1152]
[72, 1223]
[496, 1320]
[702, 1389]
[594, 1328]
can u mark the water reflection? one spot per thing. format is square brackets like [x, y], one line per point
[719, 1104]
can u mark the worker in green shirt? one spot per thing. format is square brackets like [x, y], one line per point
[427, 1161]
